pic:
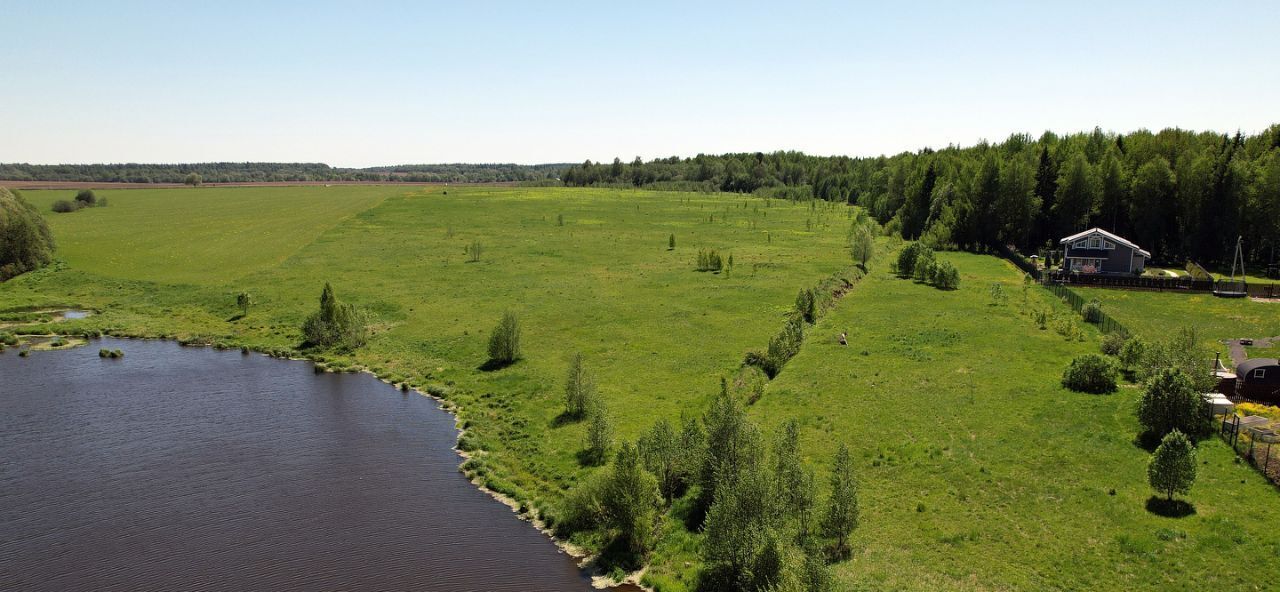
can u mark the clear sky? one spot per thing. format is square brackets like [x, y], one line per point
[368, 83]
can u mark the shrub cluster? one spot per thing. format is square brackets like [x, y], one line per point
[86, 198]
[336, 323]
[709, 260]
[1090, 373]
[756, 504]
[1113, 343]
[110, 353]
[918, 261]
[25, 240]
[1092, 311]
[504, 342]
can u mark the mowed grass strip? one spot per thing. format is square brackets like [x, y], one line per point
[204, 235]
[980, 472]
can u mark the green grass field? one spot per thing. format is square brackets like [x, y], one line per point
[1153, 315]
[978, 471]
[199, 236]
[657, 334]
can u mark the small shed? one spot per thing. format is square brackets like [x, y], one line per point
[1259, 379]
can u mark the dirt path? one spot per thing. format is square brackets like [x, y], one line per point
[1238, 352]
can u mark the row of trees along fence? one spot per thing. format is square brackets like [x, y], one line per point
[1021, 262]
[1077, 303]
[1261, 447]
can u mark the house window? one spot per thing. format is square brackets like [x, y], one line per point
[1259, 373]
[1095, 243]
[1110, 245]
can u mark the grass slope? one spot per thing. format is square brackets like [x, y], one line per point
[980, 472]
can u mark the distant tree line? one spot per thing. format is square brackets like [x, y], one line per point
[251, 172]
[1179, 194]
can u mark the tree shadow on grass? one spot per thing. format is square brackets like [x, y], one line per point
[588, 458]
[1170, 508]
[494, 365]
[565, 418]
[234, 318]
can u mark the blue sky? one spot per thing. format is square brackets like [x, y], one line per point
[360, 84]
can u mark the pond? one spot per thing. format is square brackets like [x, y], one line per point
[194, 469]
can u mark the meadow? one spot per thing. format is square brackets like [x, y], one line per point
[585, 270]
[978, 470]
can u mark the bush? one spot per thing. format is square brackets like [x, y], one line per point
[1092, 311]
[709, 260]
[807, 305]
[784, 346]
[907, 259]
[946, 276]
[1113, 342]
[1170, 402]
[87, 198]
[8, 339]
[25, 240]
[474, 251]
[504, 343]
[64, 206]
[1131, 353]
[1090, 373]
[336, 323]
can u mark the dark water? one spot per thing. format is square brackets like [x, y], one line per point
[193, 469]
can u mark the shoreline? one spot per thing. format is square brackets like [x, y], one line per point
[584, 560]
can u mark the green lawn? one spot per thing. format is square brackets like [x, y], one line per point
[980, 472]
[1155, 314]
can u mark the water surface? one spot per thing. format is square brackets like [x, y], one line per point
[194, 469]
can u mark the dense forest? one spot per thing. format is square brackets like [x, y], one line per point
[250, 172]
[1180, 194]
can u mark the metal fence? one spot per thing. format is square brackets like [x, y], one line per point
[1077, 303]
[1260, 447]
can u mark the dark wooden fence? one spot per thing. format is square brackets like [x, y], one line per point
[1179, 284]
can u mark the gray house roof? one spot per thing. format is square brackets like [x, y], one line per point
[1251, 364]
[1113, 237]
